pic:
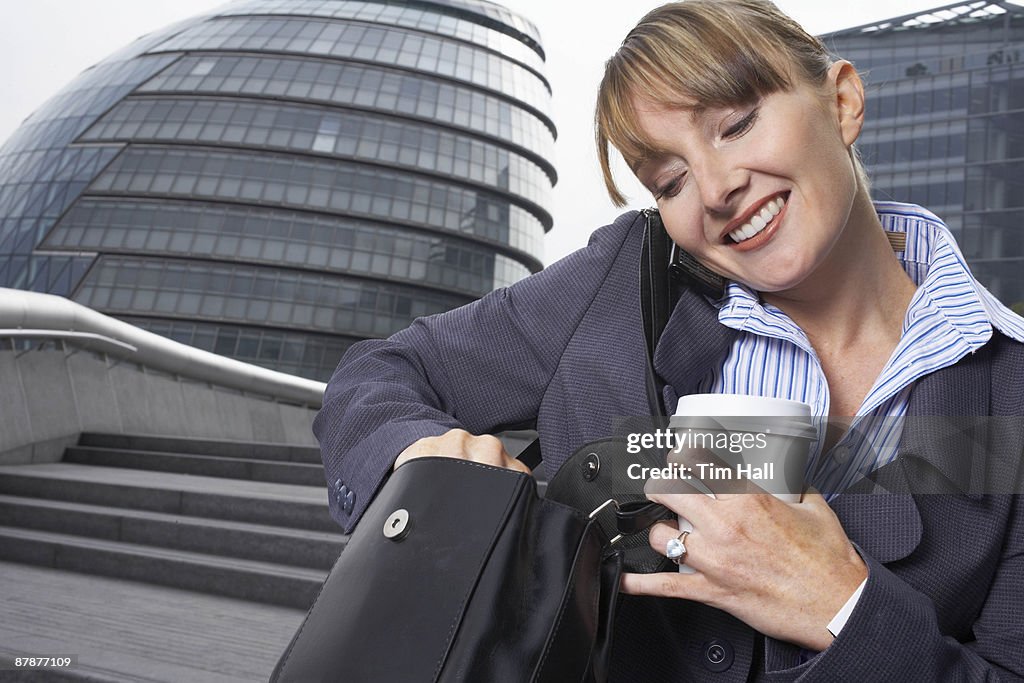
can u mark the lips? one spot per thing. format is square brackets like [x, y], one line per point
[755, 220]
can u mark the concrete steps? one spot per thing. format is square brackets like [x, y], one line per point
[236, 449]
[266, 543]
[259, 581]
[238, 520]
[230, 467]
[134, 632]
[301, 507]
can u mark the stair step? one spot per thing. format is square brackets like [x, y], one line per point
[313, 549]
[225, 448]
[133, 632]
[287, 505]
[231, 467]
[251, 580]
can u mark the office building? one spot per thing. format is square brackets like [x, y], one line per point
[945, 125]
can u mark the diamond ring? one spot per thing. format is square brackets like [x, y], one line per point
[675, 549]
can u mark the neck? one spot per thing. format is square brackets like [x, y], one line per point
[860, 294]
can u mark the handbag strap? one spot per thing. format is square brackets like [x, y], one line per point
[634, 517]
[657, 290]
[531, 455]
[658, 296]
[659, 283]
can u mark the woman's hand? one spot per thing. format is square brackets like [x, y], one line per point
[784, 569]
[458, 443]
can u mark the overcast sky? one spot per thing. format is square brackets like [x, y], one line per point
[44, 44]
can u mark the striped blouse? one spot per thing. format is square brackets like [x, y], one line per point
[950, 315]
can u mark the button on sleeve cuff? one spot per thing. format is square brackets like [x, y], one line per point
[354, 479]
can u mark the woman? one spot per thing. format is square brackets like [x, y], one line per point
[742, 127]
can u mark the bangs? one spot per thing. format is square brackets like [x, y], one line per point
[698, 55]
[713, 68]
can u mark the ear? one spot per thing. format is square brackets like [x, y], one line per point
[849, 94]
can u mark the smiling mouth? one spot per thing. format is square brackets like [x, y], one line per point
[759, 221]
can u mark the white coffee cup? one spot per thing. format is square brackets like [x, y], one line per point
[779, 433]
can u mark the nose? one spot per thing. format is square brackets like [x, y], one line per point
[721, 183]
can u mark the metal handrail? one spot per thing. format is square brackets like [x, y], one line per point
[26, 314]
[89, 339]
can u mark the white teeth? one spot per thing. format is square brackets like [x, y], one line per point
[759, 221]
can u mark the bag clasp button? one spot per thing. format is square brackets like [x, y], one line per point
[397, 525]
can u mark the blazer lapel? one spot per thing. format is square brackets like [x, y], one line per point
[879, 519]
[942, 450]
[692, 343]
[946, 429]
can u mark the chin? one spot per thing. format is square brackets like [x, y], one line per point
[776, 285]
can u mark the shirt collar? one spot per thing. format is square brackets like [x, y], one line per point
[933, 261]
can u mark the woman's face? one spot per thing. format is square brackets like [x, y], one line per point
[761, 193]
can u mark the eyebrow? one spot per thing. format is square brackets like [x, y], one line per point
[637, 166]
[654, 155]
[659, 168]
[698, 114]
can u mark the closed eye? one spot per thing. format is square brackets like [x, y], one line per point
[670, 189]
[741, 126]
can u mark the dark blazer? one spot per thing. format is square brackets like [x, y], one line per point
[564, 351]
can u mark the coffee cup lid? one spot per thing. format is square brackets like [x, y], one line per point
[741, 413]
[737, 405]
[770, 424]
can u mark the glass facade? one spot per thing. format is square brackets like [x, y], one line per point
[945, 126]
[323, 131]
[404, 48]
[279, 179]
[369, 88]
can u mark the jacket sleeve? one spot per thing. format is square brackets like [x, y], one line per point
[894, 633]
[481, 367]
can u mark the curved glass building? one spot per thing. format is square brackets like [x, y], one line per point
[281, 178]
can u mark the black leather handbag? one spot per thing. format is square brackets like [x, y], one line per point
[461, 572]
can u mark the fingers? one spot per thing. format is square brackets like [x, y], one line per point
[778, 567]
[516, 464]
[489, 450]
[724, 474]
[813, 497]
[711, 470]
[458, 443]
[662, 532]
[673, 487]
[666, 584]
[681, 497]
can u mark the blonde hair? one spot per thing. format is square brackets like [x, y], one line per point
[715, 53]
